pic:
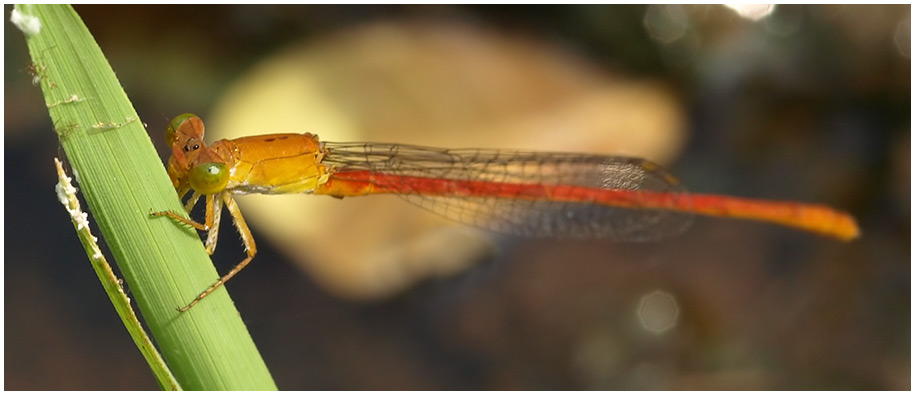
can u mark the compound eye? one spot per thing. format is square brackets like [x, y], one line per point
[185, 126]
[209, 178]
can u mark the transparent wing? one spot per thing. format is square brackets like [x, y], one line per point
[525, 193]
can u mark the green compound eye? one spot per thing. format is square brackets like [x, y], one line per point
[209, 178]
[176, 124]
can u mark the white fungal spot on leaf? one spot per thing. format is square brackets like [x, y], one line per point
[29, 24]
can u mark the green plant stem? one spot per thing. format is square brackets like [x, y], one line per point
[66, 193]
[122, 180]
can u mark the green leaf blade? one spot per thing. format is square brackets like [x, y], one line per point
[122, 179]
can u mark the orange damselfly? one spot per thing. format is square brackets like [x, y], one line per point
[516, 192]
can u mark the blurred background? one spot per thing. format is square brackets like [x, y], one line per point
[806, 103]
